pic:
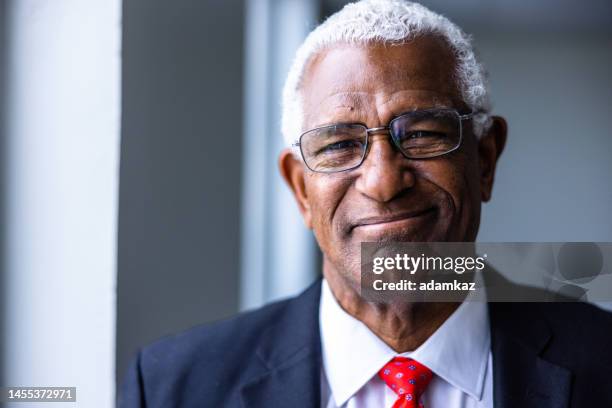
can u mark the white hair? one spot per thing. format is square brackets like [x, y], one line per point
[385, 21]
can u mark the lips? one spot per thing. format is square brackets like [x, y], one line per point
[391, 220]
[401, 227]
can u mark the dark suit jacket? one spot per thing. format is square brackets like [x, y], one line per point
[545, 355]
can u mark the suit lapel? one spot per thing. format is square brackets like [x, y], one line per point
[521, 376]
[291, 353]
[296, 384]
[291, 357]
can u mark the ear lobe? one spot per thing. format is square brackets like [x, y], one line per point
[490, 147]
[293, 172]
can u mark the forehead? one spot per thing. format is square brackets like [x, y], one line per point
[373, 83]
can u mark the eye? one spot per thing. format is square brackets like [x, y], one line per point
[345, 144]
[423, 134]
[341, 146]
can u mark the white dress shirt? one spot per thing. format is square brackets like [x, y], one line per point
[458, 353]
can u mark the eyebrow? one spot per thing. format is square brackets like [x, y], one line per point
[393, 116]
[353, 104]
[434, 106]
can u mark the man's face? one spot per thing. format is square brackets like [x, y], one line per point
[388, 197]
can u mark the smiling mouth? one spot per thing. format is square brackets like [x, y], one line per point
[392, 221]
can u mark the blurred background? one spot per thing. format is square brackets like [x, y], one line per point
[139, 190]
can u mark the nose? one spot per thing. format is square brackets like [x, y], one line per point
[384, 174]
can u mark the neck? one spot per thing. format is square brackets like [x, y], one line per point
[402, 326]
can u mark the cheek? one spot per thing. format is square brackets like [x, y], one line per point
[462, 185]
[325, 194]
[447, 178]
[456, 177]
[470, 170]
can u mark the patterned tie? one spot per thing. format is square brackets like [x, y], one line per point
[408, 378]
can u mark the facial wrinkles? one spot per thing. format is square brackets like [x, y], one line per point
[342, 107]
[373, 94]
[459, 204]
[448, 197]
[468, 173]
[372, 110]
[391, 105]
[341, 182]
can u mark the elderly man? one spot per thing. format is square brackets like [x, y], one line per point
[386, 115]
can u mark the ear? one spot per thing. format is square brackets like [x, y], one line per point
[490, 147]
[293, 171]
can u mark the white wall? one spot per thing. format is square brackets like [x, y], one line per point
[61, 193]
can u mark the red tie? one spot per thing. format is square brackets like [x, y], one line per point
[408, 378]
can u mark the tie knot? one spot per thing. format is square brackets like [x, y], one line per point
[408, 378]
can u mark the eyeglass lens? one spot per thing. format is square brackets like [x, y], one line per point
[418, 135]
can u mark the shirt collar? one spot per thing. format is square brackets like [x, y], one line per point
[457, 352]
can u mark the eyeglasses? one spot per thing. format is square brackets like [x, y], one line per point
[421, 134]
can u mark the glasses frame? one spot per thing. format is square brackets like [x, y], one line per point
[387, 129]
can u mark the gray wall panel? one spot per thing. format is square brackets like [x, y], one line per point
[179, 208]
